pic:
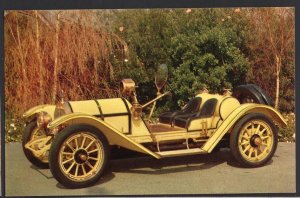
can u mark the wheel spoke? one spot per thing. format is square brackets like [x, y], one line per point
[67, 153]
[89, 144]
[252, 128]
[250, 152]
[244, 143]
[255, 152]
[92, 151]
[83, 169]
[89, 164]
[264, 137]
[257, 129]
[246, 137]
[93, 158]
[261, 148]
[68, 160]
[83, 141]
[262, 131]
[247, 148]
[76, 143]
[76, 171]
[70, 167]
[248, 133]
[70, 147]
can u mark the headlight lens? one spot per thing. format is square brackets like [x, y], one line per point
[43, 119]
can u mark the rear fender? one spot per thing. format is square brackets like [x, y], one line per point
[32, 113]
[238, 113]
[114, 136]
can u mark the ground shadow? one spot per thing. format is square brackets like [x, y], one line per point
[107, 176]
[149, 165]
[235, 164]
[142, 164]
[40, 170]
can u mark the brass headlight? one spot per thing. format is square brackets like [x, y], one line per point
[127, 86]
[43, 119]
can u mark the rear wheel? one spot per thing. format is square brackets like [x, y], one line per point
[78, 156]
[254, 139]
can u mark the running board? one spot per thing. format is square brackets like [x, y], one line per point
[182, 152]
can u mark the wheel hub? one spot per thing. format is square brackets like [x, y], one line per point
[81, 156]
[255, 140]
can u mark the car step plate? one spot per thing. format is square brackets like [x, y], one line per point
[174, 153]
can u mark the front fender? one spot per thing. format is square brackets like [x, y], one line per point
[30, 114]
[114, 136]
[229, 122]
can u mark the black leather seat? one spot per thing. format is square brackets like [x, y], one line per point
[191, 107]
[207, 110]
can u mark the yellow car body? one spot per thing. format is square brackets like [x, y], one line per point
[75, 137]
[113, 118]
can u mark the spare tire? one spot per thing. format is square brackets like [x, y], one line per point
[251, 93]
[266, 97]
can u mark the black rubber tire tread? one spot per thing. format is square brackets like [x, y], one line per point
[54, 153]
[266, 97]
[256, 93]
[234, 139]
[248, 90]
[28, 154]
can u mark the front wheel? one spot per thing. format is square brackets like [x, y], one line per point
[253, 140]
[78, 156]
[31, 133]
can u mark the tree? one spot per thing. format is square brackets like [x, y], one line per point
[271, 47]
[148, 35]
[208, 51]
[45, 54]
[201, 46]
[55, 69]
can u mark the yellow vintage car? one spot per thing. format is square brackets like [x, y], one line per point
[74, 138]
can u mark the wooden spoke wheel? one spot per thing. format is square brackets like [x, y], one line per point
[81, 156]
[32, 132]
[253, 140]
[78, 156]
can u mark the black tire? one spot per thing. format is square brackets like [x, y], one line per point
[251, 93]
[270, 134]
[27, 135]
[57, 167]
[266, 97]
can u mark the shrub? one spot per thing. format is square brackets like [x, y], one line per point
[286, 134]
[13, 128]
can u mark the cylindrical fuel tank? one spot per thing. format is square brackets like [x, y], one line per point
[114, 111]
